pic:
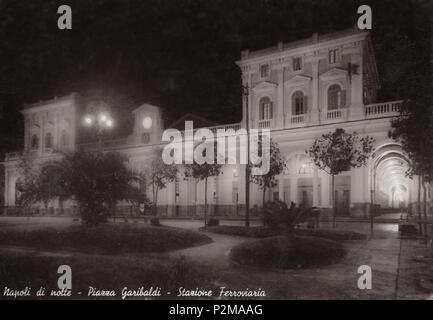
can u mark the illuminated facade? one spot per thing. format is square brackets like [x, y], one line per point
[299, 91]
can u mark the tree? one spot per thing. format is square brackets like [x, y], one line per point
[95, 180]
[339, 151]
[158, 175]
[413, 129]
[42, 188]
[276, 167]
[26, 184]
[205, 170]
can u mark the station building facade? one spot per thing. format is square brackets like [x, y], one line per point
[299, 91]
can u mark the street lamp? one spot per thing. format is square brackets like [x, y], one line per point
[246, 93]
[100, 119]
[371, 210]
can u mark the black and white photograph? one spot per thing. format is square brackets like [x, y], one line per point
[228, 151]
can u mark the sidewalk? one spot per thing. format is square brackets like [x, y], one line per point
[395, 273]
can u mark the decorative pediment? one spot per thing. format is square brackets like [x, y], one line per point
[146, 107]
[297, 80]
[199, 122]
[265, 85]
[333, 74]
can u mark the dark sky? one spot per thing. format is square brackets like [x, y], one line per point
[180, 54]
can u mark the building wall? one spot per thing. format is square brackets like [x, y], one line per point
[354, 70]
[354, 64]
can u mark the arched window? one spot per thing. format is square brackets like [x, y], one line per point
[65, 138]
[299, 103]
[306, 168]
[299, 164]
[336, 97]
[48, 140]
[265, 109]
[34, 142]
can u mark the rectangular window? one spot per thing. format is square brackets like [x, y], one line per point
[332, 56]
[299, 105]
[265, 111]
[264, 71]
[235, 195]
[297, 64]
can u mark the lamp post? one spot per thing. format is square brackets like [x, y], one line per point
[247, 168]
[100, 119]
[371, 209]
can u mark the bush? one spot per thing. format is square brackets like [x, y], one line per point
[20, 269]
[287, 252]
[93, 214]
[338, 235]
[253, 232]
[213, 222]
[155, 222]
[264, 232]
[276, 213]
[104, 238]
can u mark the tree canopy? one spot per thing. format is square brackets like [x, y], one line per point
[276, 167]
[338, 151]
[94, 180]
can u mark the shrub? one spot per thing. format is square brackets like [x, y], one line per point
[155, 222]
[242, 231]
[20, 269]
[286, 252]
[337, 235]
[104, 238]
[213, 222]
[276, 213]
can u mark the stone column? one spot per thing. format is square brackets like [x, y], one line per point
[251, 107]
[281, 187]
[280, 97]
[42, 134]
[241, 186]
[171, 198]
[314, 113]
[355, 89]
[294, 190]
[26, 133]
[326, 189]
[73, 129]
[57, 129]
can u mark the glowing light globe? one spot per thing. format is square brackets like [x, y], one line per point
[88, 120]
[147, 122]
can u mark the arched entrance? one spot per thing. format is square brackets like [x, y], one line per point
[391, 189]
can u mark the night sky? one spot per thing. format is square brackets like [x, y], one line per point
[181, 54]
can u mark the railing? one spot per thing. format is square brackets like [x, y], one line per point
[383, 109]
[13, 155]
[334, 114]
[298, 119]
[124, 142]
[234, 126]
[104, 144]
[263, 124]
